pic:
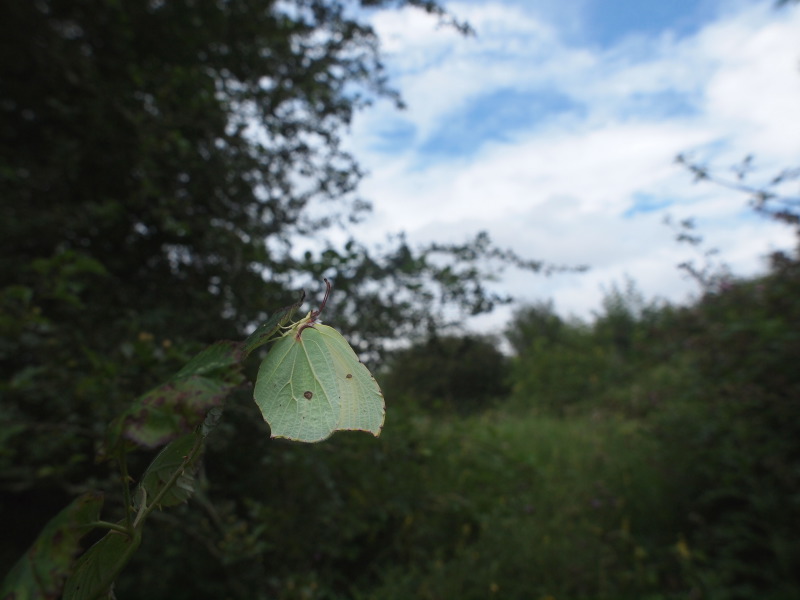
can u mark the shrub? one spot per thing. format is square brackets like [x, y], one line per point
[449, 373]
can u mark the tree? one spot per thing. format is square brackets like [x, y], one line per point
[456, 374]
[182, 145]
[770, 197]
[158, 161]
[534, 322]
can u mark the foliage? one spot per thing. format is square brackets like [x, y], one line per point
[673, 477]
[444, 507]
[673, 480]
[448, 373]
[157, 175]
[716, 385]
[736, 442]
[175, 417]
[539, 507]
[561, 365]
[41, 571]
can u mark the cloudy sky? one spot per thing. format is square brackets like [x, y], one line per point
[555, 129]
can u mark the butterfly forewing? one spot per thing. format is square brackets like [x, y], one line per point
[296, 390]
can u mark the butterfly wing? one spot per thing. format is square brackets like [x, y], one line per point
[296, 389]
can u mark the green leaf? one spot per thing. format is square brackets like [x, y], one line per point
[98, 568]
[171, 459]
[220, 358]
[168, 411]
[180, 405]
[266, 331]
[312, 384]
[41, 571]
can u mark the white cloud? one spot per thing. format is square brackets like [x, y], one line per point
[558, 188]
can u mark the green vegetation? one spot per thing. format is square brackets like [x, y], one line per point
[667, 470]
[142, 220]
[446, 374]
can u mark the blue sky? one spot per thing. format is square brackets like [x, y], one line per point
[611, 21]
[555, 129]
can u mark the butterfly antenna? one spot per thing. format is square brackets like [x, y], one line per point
[327, 294]
[315, 313]
[324, 299]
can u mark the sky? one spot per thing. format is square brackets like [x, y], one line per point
[556, 126]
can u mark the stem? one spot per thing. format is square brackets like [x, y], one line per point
[112, 526]
[126, 490]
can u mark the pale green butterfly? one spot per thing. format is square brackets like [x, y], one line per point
[311, 384]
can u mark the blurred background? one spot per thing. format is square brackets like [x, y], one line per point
[564, 237]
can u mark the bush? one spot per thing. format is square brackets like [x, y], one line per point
[460, 374]
[735, 437]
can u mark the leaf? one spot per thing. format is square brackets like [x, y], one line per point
[168, 411]
[172, 458]
[267, 330]
[312, 384]
[99, 566]
[180, 405]
[218, 359]
[41, 571]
